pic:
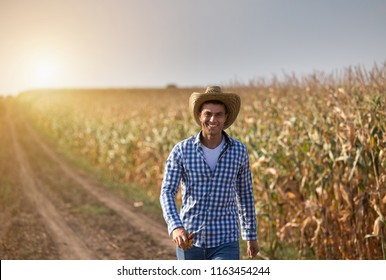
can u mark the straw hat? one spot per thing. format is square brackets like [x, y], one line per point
[230, 100]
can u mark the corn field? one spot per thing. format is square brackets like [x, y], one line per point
[317, 148]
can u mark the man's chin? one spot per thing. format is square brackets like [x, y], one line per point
[214, 132]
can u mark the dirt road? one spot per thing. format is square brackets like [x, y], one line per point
[54, 211]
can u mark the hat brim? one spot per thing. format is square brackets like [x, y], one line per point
[230, 100]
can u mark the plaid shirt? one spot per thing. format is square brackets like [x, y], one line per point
[212, 201]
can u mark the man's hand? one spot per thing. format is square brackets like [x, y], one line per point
[182, 238]
[253, 248]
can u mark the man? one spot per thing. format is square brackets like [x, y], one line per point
[216, 181]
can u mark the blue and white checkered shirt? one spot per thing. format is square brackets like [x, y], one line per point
[212, 201]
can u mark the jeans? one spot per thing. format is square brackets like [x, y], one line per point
[227, 251]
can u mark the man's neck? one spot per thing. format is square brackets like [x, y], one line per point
[211, 141]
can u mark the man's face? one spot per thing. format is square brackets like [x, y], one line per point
[212, 118]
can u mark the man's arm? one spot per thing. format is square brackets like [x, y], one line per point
[169, 189]
[247, 214]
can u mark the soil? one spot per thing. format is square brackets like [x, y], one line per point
[50, 210]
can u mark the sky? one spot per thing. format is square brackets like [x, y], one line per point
[153, 43]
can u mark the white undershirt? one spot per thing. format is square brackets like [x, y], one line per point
[211, 155]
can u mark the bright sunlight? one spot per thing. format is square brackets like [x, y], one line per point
[45, 73]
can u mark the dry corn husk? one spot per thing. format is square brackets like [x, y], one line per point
[378, 226]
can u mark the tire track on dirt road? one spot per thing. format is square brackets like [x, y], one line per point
[149, 227]
[69, 245]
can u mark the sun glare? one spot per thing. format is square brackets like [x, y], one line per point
[45, 73]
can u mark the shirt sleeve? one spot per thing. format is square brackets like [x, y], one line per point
[246, 205]
[169, 189]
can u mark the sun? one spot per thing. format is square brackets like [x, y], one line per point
[41, 68]
[44, 70]
[45, 73]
